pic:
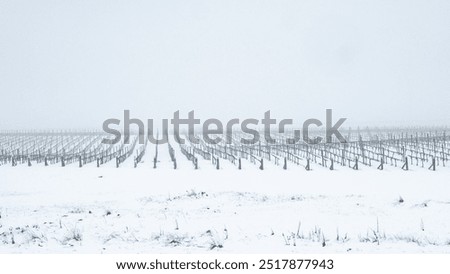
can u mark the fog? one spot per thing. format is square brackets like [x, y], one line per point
[73, 64]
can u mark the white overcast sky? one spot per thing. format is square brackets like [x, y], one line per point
[73, 64]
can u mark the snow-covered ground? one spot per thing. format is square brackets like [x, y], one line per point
[136, 210]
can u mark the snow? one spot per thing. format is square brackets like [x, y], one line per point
[145, 210]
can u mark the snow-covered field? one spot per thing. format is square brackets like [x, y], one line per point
[145, 210]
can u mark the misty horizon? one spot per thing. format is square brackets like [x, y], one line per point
[72, 65]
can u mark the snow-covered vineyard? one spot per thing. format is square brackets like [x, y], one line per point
[401, 148]
[383, 191]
